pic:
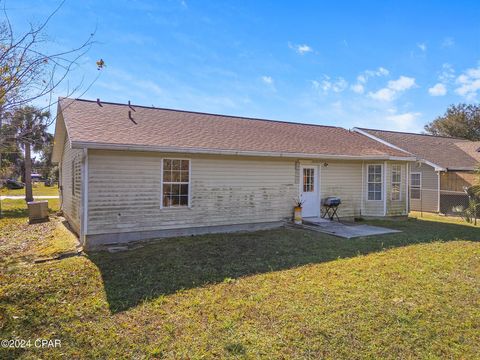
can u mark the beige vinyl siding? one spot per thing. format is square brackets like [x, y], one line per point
[125, 191]
[71, 168]
[396, 207]
[429, 190]
[344, 180]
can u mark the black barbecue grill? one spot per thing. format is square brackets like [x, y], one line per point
[330, 207]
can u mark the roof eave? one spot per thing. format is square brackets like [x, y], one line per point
[149, 148]
[466, 168]
[435, 166]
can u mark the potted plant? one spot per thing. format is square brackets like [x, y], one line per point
[297, 211]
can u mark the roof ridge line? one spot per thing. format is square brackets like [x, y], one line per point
[206, 113]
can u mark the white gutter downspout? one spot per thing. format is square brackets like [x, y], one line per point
[362, 205]
[384, 188]
[84, 202]
[438, 193]
[407, 190]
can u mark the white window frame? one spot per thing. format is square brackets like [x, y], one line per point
[381, 182]
[399, 183]
[416, 187]
[189, 184]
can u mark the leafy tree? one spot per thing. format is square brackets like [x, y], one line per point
[462, 121]
[12, 156]
[472, 212]
[48, 169]
[28, 127]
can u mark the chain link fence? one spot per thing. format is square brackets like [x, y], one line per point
[453, 202]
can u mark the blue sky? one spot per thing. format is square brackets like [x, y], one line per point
[387, 64]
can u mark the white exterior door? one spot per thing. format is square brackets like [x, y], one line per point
[309, 191]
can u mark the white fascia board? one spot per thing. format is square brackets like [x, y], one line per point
[435, 166]
[367, 134]
[149, 148]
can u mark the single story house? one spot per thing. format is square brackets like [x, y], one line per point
[446, 166]
[131, 172]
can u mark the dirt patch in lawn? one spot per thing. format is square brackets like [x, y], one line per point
[20, 241]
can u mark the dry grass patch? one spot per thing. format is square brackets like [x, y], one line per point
[21, 241]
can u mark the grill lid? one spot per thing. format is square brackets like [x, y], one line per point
[332, 201]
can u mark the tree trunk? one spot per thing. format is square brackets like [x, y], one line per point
[28, 173]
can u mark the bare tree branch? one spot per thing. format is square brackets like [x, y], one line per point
[27, 72]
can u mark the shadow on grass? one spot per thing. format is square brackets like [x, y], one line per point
[168, 265]
[18, 208]
[14, 212]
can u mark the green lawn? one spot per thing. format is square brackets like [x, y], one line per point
[38, 189]
[282, 294]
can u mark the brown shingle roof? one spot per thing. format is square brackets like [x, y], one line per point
[447, 152]
[472, 148]
[88, 122]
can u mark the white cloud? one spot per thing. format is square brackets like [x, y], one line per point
[403, 83]
[358, 88]
[438, 89]
[336, 85]
[469, 83]
[267, 80]
[448, 42]
[325, 85]
[393, 88]
[447, 74]
[445, 77]
[362, 79]
[404, 121]
[422, 46]
[382, 72]
[301, 48]
[384, 94]
[339, 85]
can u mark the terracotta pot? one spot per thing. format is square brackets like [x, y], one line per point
[297, 217]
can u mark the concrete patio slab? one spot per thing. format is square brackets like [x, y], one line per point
[347, 231]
